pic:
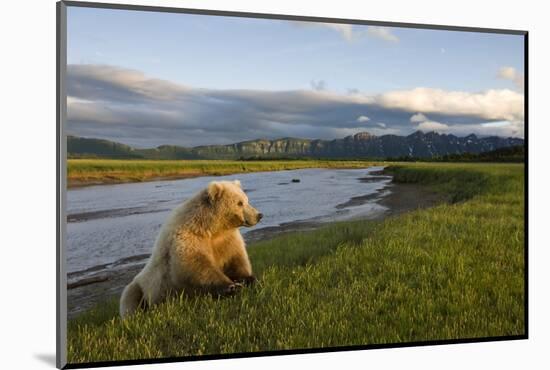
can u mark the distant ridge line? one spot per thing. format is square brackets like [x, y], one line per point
[360, 145]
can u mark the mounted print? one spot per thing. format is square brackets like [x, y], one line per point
[235, 185]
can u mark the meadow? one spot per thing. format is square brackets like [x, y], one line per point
[454, 271]
[109, 171]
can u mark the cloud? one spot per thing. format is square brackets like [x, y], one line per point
[510, 73]
[349, 32]
[490, 104]
[418, 117]
[96, 77]
[346, 31]
[426, 125]
[507, 129]
[382, 33]
[433, 126]
[318, 85]
[499, 128]
[128, 106]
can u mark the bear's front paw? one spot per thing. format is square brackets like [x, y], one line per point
[248, 280]
[231, 289]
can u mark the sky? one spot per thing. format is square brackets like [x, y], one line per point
[148, 79]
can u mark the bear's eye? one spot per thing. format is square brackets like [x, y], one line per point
[240, 203]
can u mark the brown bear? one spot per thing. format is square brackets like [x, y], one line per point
[199, 249]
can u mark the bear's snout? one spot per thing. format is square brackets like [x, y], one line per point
[251, 216]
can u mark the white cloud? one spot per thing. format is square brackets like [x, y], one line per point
[433, 126]
[381, 124]
[491, 104]
[382, 33]
[418, 117]
[496, 124]
[345, 30]
[384, 131]
[363, 119]
[72, 100]
[349, 32]
[510, 73]
[500, 128]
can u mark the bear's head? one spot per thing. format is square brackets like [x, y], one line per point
[231, 204]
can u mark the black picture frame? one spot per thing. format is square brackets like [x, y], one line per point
[61, 186]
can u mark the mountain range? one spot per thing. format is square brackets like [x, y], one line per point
[360, 145]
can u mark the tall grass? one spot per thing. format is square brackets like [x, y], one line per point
[452, 271]
[96, 171]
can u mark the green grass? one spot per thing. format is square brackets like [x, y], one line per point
[97, 171]
[452, 271]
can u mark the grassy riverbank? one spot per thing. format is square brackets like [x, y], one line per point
[452, 271]
[110, 171]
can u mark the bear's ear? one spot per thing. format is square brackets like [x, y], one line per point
[238, 183]
[214, 191]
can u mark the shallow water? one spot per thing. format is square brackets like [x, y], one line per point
[114, 225]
